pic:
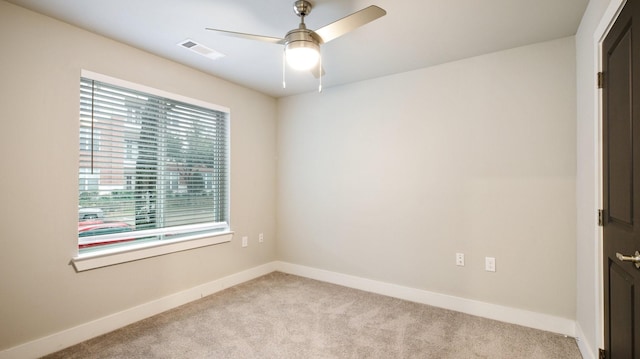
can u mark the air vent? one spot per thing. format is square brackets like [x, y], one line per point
[200, 49]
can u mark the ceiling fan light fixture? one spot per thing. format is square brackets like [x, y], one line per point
[302, 55]
[301, 49]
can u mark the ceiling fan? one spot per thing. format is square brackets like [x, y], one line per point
[302, 46]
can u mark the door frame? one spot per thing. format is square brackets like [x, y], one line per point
[605, 24]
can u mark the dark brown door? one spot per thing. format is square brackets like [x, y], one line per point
[621, 184]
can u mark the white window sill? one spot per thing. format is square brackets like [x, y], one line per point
[109, 257]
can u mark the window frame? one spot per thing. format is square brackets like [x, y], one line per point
[135, 251]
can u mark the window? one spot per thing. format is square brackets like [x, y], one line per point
[152, 168]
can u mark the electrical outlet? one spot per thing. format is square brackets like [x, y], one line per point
[490, 264]
[261, 237]
[460, 259]
[245, 241]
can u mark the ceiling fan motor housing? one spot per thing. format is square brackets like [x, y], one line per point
[303, 36]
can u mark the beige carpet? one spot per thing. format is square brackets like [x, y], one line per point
[286, 316]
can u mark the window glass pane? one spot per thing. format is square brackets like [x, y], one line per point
[150, 168]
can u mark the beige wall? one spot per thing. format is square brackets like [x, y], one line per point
[388, 178]
[40, 293]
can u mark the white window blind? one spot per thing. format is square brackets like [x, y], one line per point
[151, 168]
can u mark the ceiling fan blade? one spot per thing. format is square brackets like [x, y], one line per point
[349, 23]
[242, 35]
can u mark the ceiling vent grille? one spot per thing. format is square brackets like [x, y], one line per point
[200, 49]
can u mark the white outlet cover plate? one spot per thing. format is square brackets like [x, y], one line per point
[490, 264]
[460, 259]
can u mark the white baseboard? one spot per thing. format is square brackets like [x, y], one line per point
[72, 336]
[584, 346]
[492, 311]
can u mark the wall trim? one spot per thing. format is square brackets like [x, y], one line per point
[481, 309]
[606, 22]
[583, 345]
[80, 333]
[75, 335]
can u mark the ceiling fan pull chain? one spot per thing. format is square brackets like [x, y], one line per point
[320, 70]
[284, 69]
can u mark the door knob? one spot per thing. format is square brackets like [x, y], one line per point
[635, 259]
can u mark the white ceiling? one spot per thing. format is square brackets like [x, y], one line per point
[413, 34]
